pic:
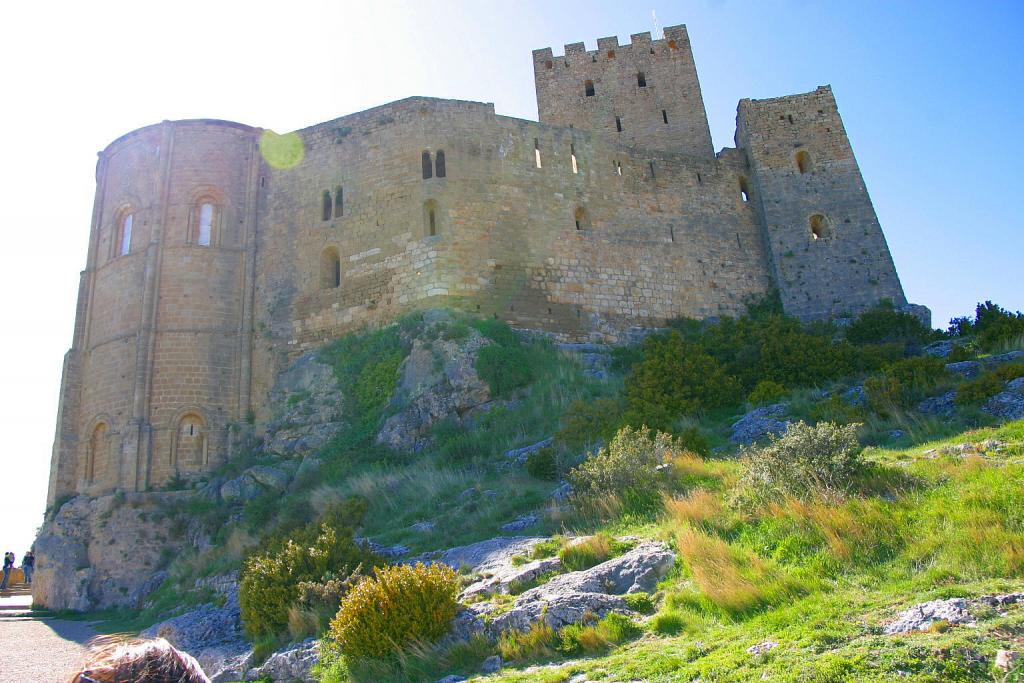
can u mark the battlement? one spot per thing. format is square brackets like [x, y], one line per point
[675, 38]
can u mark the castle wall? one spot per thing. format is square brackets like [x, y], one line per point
[566, 225]
[664, 110]
[828, 253]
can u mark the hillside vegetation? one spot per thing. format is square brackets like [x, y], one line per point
[865, 477]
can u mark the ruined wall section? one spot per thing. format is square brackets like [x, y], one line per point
[828, 254]
[659, 235]
[644, 94]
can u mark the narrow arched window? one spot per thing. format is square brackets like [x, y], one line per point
[588, 88]
[330, 269]
[339, 202]
[536, 152]
[124, 238]
[803, 161]
[431, 218]
[618, 124]
[190, 447]
[572, 157]
[819, 227]
[428, 170]
[581, 219]
[205, 225]
[327, 206]
[96, 458]
[641, 80]
[744, 190]
[439, 164]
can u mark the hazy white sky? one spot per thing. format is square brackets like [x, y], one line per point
[930, 93]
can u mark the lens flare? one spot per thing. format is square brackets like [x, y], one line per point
[282, 151]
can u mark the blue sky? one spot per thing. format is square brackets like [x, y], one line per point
[930, 92]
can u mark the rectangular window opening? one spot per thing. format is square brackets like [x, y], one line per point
[618, 124]
[664, 116]
[651, 164]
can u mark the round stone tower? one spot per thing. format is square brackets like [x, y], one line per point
[159, 365]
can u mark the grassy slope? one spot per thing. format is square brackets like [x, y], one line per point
[952, 527]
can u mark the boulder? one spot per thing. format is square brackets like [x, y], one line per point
[254, 482]
[938, 349]
[521, 522]
[759, 423]
[854, 396]
[500, 578]
[566, 598]
[942, 406]
[139, 595]
[438, 381]
[519, 455]
[762, 647]
[1009, 403]
[967, 369]
[1000, 358]
[491, 664]
[309, 408]
[291, 663]
[921, 617]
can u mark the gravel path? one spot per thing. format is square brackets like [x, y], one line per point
[43, 650]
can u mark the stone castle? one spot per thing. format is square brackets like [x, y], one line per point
[211, 263]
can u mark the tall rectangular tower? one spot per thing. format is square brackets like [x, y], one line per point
[644, 94]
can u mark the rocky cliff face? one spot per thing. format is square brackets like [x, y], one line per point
[104, 552]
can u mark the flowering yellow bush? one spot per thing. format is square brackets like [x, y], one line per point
[398, 606]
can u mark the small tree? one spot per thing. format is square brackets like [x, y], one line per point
[628, 463]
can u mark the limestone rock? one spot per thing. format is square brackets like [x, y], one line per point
[762, 647]
[101, 552]
[438, 382]
[484, 556]
[291, 663]
[254, 482]
[566, 598]
[451, 679]
[1000, 358]
[965, 368]
[854, 396]
[1007, 659]
[921, 617]
[759, 423]
[500, 578]
[519, 455]
[211, 634]
[310, 401]
[939, 349]
[1009, 403]
[521, 522]
[138, 597]
[491, 664]
[943, 406]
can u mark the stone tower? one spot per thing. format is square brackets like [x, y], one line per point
[644, 94]
[826, 249]
[158, 366]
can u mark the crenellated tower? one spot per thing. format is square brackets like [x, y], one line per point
[644, 94]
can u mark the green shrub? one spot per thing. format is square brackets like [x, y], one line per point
[978, 390]
[960, 352]
[691, 439]
[591, 552]
[399, 606]
[805, 462]
[582, 638]
[993, 326]
[629, 462]
[456, 331]
[639, 602]
[542, 464]
[587, 422]
[270, 577]
[1010, 371]
[504, 368]
[496, 330]
[766, 392]
[904, 382]
[676, 378]
[885, 324]
[669, 623]
[538, 642]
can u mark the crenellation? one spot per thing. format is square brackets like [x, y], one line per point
[182, 335]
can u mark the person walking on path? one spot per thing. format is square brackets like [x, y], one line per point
[28, 564]
[8, 565]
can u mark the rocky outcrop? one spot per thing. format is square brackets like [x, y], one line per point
[518, 456]
[483, 557]
[759, 423]
[566, 598]
[438, 382]
[968, 369]
[921, 617]
[211, 634]
[1009, 403]
[943, 406]
[293, 663]
[310, 401]
[256, 481]
[103, 552]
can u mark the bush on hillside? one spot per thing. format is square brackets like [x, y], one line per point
[993, 326]
[270, 578]
[543, 464]
[628, 464]
[884, 324]
[805, 462]
[904, 382]
[676, 378]
[504, 368]
[399, 606]
[588, 422]
[974, 392]
[766, 392]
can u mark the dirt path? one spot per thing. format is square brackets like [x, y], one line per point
[43, 650]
